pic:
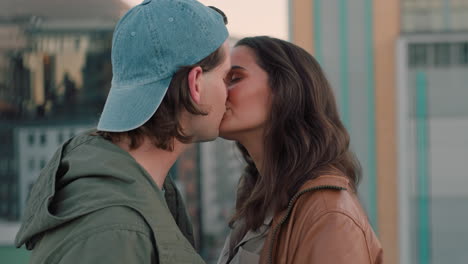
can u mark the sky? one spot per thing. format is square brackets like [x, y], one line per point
[250, 17]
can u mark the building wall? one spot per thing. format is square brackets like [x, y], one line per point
[221, 168]
[5, 72]
[12, 37]
[355, 44]
[8, 172]
[341, 41]
[433, 147]
[386, 30]
[65, 47]
[61, 49]
[12, 40]
[434, 15]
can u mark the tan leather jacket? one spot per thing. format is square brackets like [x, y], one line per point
[324, 223]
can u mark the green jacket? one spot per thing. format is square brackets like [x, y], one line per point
[93, 203]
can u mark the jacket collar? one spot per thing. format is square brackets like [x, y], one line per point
[326, 180]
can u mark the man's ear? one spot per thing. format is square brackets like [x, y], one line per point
[194, 83]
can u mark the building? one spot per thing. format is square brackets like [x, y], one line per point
[8, 176]
[433, 143]
[35, 145]
[14, 79]
[69, 63]
[221, 167]
[55, 56]
[399, 73]
[28, 148]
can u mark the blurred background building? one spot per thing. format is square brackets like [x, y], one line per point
[399, 70]
[54, 77]
[55, 73]
[400, 73]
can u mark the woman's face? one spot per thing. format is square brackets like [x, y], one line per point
[248, 102]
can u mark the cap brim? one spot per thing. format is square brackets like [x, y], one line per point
[128, 108]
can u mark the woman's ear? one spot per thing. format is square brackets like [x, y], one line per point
[194, 83]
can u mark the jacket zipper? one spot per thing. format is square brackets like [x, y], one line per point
[289, 209]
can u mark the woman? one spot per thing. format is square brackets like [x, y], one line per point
[297, 198]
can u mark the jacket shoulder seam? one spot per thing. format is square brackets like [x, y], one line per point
[326, 209]
[328, 212]
[342, 210]
[78, 144]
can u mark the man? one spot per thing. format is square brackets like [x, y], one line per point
[104, 197]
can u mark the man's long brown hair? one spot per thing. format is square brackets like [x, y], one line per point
[304, 138]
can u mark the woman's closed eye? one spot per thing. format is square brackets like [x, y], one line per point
[235, 78]
[232, 78]
[236, 74]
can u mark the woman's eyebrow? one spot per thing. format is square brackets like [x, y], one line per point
[237, 67]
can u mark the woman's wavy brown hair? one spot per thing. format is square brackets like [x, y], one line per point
[304, 138]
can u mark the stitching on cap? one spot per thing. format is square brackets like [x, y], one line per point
[161, 65]
[119, 29]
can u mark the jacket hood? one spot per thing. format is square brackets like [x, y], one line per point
[74, 184]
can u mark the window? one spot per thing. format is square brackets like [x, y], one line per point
[417, 55]
[3, 166]
[42, 164]
[463, 53]
[4, 194]
[4, 139]
[31, 139]
[43, 139]
[442, 54]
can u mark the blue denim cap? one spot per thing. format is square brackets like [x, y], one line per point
[150, 43]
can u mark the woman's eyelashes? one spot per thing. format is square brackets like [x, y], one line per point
[232, 78]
